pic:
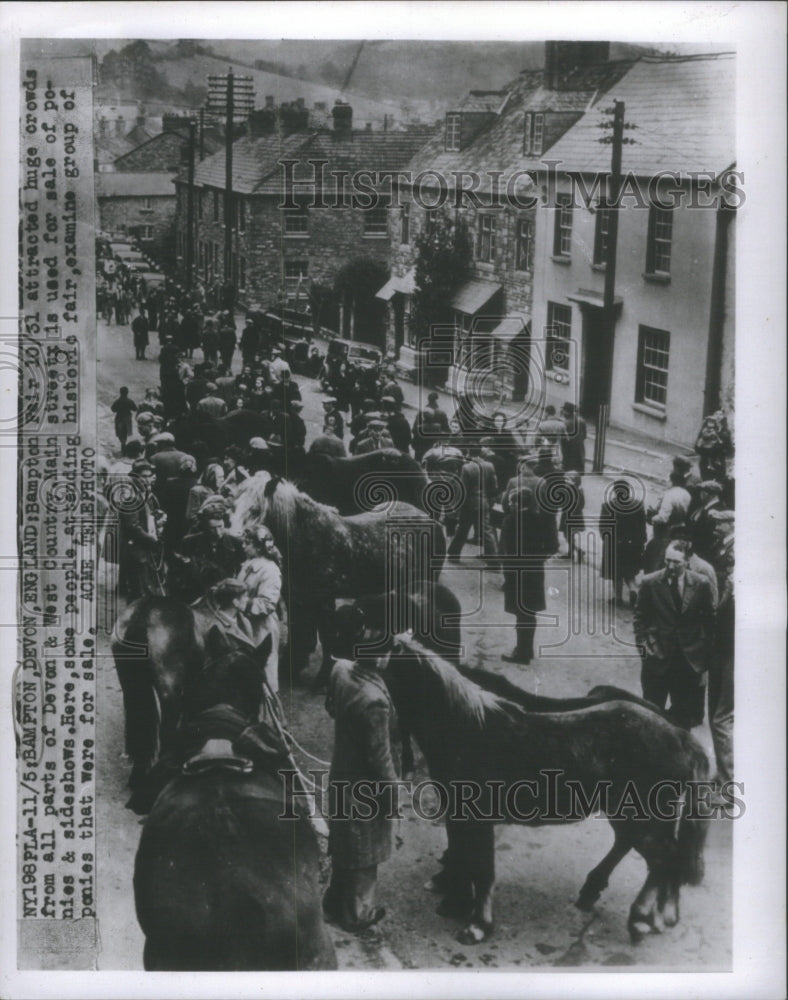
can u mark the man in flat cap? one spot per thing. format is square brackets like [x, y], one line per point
[141, 569]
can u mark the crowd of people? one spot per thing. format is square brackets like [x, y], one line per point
[519, 494]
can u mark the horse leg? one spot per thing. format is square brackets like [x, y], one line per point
[597, 878]
[657, 903]
[482, 842]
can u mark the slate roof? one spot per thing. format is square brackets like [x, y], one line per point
[482, 100]
[684, 110]
[256, 162]
[500, 146]
[134, 185]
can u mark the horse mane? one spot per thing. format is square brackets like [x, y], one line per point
[280, 510]
[465, 699]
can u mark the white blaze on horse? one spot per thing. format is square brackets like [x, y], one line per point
[326, 557]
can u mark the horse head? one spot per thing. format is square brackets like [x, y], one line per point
[231, 675]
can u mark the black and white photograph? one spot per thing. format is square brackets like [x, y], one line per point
[384, 387]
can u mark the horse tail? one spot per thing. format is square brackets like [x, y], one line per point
[692, 828]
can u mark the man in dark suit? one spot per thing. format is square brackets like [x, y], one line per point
[673, 628]
[140, 571]
[479, 485]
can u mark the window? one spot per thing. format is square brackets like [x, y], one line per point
[558, 334]
[295, 275]
[376, 221]
[453, 123]
[651, 385]
[601, 233]
[147, 203]
[562, 243]
[486, 244]
[660, 237]
[295, 221]
[525, 245]
[146, 232]
[404, 224]
[534, 134]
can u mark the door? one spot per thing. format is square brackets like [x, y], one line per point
[597, 362]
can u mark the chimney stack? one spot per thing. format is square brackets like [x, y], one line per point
[560, 58]
[342, 113]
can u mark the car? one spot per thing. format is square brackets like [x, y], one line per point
[355, 352]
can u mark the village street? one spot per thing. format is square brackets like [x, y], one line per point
[583, 642]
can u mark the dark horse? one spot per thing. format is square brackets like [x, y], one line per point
[221, 881]
[158, 645]
[495, 759]
[327, 557]
[360, 482]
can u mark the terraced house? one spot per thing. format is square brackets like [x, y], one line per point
[293, 225]
[532, 310]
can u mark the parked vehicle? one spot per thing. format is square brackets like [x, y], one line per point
[354, 352]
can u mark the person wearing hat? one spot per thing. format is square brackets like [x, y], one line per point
[140, 570]
[479, 486]
[249, 342]
[361, 707]
[701, 523]
[210, 340]
[212, 405]
[671, 510]
[438, 415]
[573, 441]
[173, 495]
[211, 553]
[297, 426]
[227, 339]
[145, 426]
[169, 358]
[166, 459]
[398, 426]
[139, 331]
[528, 537]
[210, 485]
[261, 575]
[278, 366]
[622, 527]
[337, 423]
[376, 436]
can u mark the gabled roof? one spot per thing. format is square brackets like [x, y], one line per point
[256, 162]
[175, 138]
[131, 185]
[684, 110]
[500, 146]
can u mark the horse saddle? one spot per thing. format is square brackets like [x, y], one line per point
[217, 755]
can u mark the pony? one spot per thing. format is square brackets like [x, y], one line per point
[360, 482]
[159, 647]
[327, 556]
[602, 756]
[222, 882]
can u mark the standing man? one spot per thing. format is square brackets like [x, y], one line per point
[673, 628]
[573, 443]
[140, 573]
[361, 707]
[123, 407]
[329, 408]
[398, 426]
[479, 484]
[139, 331]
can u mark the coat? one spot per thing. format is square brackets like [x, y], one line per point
[529, 536]
[363, 714]
[664, 632]
[263, 581]
[623, 534]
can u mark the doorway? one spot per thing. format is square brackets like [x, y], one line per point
[597, 362]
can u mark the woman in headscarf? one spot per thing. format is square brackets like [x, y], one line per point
[262, 577]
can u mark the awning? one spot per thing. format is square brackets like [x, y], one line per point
[511, 327]
[585, 297]
[473, 295]
[404, 284]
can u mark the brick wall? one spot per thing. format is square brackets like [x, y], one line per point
[130, 213]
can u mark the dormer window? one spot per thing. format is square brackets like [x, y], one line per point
[453, 132]
[534, 133]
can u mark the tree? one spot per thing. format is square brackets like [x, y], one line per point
[443, 262]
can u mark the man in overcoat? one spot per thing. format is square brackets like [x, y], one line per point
[674, 616]
[359, 832]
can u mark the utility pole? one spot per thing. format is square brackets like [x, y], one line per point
[190, 211]
[611, 205]
[228, 180]
[202, 134]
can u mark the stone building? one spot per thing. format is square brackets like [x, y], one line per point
[139, 204]
[476, 167]
[295, 221]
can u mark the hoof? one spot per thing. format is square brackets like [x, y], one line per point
[475, 933]
[670, 914]
[586, 901]
[638, 929]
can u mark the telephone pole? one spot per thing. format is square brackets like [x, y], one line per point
[611, 206]
[190, 211]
